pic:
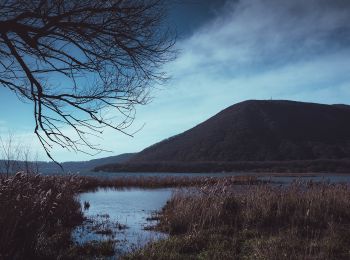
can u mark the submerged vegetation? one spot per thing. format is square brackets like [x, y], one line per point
[302, 221]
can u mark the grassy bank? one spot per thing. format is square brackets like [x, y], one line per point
[303, 221]
[216, 219]
[38, 213]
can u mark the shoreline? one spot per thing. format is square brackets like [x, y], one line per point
[296, 166]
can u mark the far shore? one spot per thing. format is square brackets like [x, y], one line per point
[298, 167]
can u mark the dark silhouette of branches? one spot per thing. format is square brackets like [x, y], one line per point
[15, 156]
[76, 60]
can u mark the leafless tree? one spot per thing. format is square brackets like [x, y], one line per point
[75, 60]
[10, 154]
[15, 156]
[28, 160]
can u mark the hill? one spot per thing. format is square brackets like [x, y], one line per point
[81, 166]
[69, 167]
[258, 131]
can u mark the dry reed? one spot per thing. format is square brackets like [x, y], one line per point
[221, 221]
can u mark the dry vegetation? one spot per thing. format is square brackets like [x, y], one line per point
[36, 216]
[303, 221]
[216, 219]
[154, 182]
[38, 213]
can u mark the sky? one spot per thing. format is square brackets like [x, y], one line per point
[229, 51]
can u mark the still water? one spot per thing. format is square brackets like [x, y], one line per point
[126, 212]
[108, 175]
[115, 209]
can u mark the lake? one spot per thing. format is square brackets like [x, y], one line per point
[115, 209]
[126, 212]
[109, 175]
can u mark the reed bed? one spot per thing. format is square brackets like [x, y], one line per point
[219, 221]
[38, 213]
[154, 182]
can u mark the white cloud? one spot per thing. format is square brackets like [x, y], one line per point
[256, 49]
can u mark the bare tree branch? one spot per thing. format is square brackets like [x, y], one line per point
[76, 60]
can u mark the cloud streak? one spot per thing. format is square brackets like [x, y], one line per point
[253, 49]
[252, 35]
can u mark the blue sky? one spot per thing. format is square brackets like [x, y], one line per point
[230, 51]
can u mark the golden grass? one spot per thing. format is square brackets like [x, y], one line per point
[220, 221]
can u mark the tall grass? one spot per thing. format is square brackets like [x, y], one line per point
[36, 215]
[154, 182]
[302, 221]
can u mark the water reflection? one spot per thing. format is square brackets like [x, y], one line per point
[122, 214]
[115, 209]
